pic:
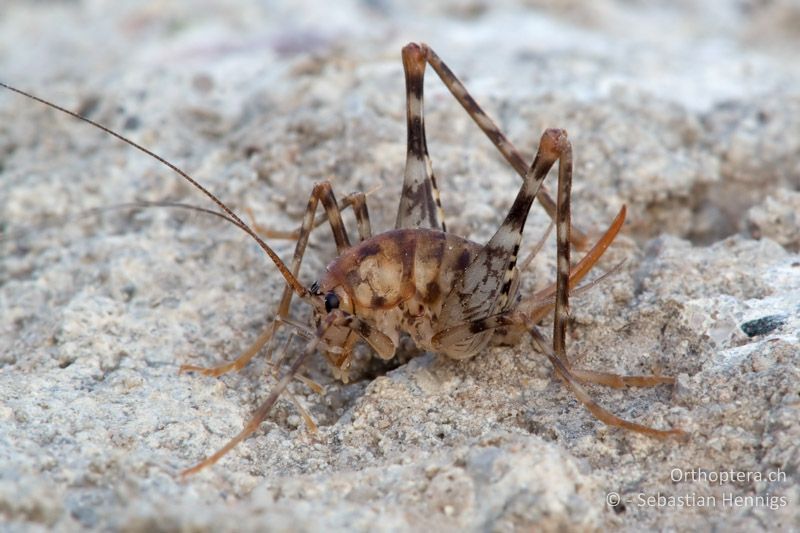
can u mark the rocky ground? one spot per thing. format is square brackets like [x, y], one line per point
[688, 115]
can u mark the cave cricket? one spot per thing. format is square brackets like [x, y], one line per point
[452, 296]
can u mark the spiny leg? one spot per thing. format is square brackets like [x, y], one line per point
[566, 278]
[462, 332]
[563, 216]
[583, 396]
[540, 306]
[321, 192]
[492, 131]
[543, 301]
[420, 205]
[584, 266]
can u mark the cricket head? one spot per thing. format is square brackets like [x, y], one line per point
[332, 311]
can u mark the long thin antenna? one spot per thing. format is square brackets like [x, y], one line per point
[99, 211]
[290, 279]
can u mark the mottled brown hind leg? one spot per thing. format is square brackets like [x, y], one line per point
[493, 132]
[557, 145]
[571, 380]
[563, 221]
[489, 282]
[566, 278]
[462, 332]
[420, 205]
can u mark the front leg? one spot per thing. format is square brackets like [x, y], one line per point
[333, 320]
[322, 192]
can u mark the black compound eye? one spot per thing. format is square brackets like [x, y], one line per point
[331, 301]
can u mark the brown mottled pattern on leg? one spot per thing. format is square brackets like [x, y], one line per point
[562, 239]
[420, 204]
[484, 287]
[325, 192]
[492, 131]
[359, 201]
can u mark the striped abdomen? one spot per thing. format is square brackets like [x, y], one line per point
[398, 280]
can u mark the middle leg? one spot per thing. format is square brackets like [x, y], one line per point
[322, 192]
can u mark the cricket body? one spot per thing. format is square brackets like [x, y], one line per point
[452, 296]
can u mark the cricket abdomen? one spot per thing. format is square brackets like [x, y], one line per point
[402, 275]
